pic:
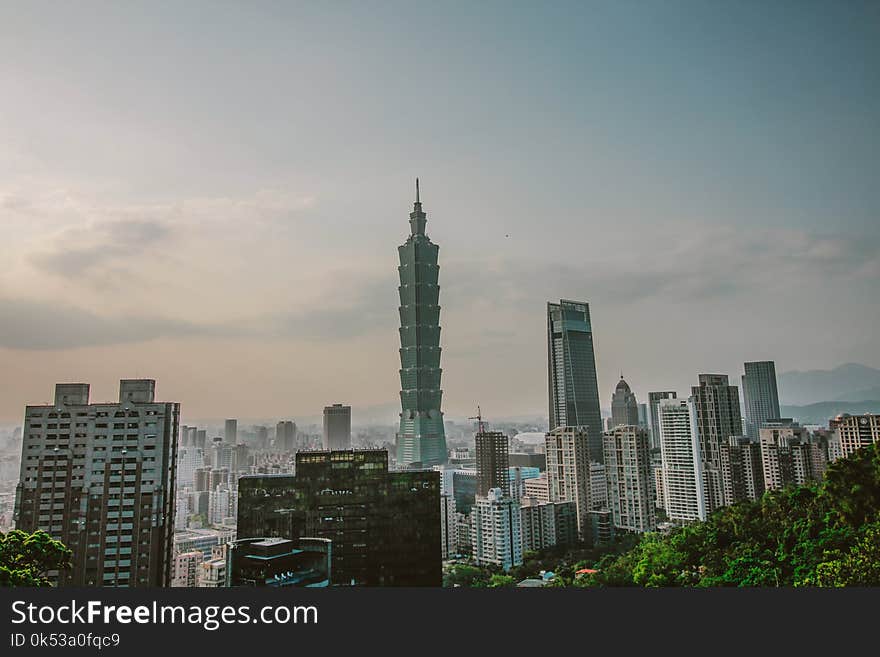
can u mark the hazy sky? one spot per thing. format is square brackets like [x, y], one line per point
[211, 194]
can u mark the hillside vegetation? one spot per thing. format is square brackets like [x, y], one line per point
[825, 534]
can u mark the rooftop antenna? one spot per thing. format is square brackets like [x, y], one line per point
[417, 190]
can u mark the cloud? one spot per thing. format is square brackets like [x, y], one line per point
[681, 264]
[42, 325]
[99, 248]
[268, 266]
[355, 306]
[358, 309]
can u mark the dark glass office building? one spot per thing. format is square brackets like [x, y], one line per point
[760, 396]
[384, 526]
[571, 365]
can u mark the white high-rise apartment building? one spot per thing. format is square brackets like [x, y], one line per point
[653, 415]
[182, 508]
[222, 504]
[628, 473]
[852, 432]
[496, 530]
[448, 528]
[684, 496]
[568, 470]
[598, 486]
[189, 459]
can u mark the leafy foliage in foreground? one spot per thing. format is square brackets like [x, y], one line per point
[825, 534]
[26, 558]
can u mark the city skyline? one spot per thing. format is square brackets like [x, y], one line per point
[686, 189]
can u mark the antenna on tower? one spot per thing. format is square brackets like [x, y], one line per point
[479, 418]
[417, 191]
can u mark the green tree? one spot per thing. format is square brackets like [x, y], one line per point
[822, 534]
[858, 567]
[25, 559]
[465, 575]
[499, 581]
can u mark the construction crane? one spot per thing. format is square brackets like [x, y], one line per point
[479, 418]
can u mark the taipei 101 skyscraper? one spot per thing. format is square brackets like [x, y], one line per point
[421, 441]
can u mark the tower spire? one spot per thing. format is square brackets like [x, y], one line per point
[417, 217]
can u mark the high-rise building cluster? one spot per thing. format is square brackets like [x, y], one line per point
[142, 500]
[706, 460]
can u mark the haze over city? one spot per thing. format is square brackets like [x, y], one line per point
[225, 219]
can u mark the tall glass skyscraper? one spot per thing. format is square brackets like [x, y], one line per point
[760, 395]
[571, 365]
[421, 440]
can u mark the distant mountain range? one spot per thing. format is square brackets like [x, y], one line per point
[851, 382]
[821, 412]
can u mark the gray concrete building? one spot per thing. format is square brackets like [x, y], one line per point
[100, 478]
[568, 471]
[337, 427]
[628, 475]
